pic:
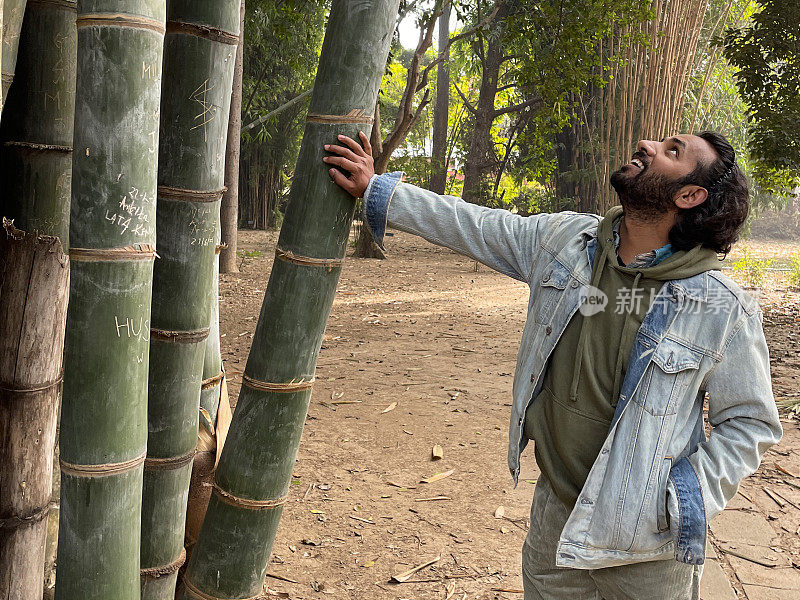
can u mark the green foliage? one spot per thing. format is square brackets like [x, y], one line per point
[766, 53]
[282, 43]
[246, 255]
[794, 273]
[752, 268]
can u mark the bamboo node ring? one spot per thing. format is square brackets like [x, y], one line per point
[356, 115]
[102, 470]
[132, 252]
[186, 337]
[281, 388]
[248, 503]
[161, 571]
[308, 261]
[39, 147]
[212, 381]
[32, 390]
[213, 34]
[119, 20]
[166, 192]
[170, 463]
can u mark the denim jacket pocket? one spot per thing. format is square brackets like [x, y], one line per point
[552, 283]
[668, 377]
[662, 517]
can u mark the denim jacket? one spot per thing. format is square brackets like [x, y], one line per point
[658, 478]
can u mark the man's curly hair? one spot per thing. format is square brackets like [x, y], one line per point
[717, 222]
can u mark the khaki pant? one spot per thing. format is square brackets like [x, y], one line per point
[543, 580]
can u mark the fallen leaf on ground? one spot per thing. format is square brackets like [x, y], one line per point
[437, 453]
[368, 564]
[362, 520]
[402, 487]
[432, 498]
[314, 511]
[786, 471]
[500, 512]
[450, 590]
[437, 476]
[391, 407]
[406, 575]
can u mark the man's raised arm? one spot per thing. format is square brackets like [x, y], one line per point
[506, 242]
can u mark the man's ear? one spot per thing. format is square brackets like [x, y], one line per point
[690, 196]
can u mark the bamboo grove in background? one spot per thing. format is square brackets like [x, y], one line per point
[654, 67]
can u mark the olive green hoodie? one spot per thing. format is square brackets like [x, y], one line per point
[570, 417]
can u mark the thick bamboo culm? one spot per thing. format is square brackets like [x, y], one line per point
[103, 433]
[34, 284]
[199, 57]
[210, 437]
[36, 131]
[231, 556]
[13, 12]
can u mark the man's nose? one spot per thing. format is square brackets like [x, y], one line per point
[647, 146]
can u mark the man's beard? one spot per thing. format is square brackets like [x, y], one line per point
[645, 196]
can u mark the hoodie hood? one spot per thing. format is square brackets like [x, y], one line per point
[679, 265]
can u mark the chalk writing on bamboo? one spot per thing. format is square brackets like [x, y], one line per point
[137, 328]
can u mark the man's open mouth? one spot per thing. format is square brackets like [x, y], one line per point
[638, 163]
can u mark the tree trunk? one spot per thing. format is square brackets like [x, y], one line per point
[231, 556]
[442, 107]
[366, 247]
[36, 132]
[229, 213]
[34, 283]
[480, 154]
[103, 432]
[13, 12]
[199, 57]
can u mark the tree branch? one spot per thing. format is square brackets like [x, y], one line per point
[426, 71]
[467, 105]
[536, 102]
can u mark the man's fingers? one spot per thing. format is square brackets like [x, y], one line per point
[365, 140]
[353, 145]
[342, 151]
[340, 161]
[342, 181]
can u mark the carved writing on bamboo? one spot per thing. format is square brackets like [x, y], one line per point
[202, 228]
[133, 213]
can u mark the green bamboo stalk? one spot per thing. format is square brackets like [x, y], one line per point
[13, 12]
[231, 556]
[210, 398]
[199, 57]
[112, 233]
[36, 165]
[36, 131]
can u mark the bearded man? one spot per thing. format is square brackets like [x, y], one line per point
[631, 330]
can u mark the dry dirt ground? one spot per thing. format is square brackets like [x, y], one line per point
[419, 351]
